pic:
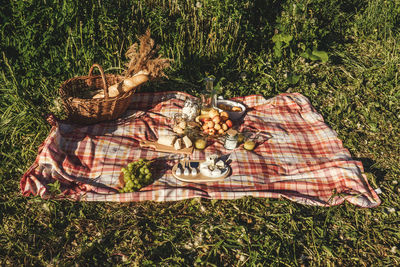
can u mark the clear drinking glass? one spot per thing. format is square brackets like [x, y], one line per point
[251, 140]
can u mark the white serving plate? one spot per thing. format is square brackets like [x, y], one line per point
[200, 177]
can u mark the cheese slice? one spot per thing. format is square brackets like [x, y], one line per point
[178, 144]
[167, 140]
[220, 164]
[186, 140]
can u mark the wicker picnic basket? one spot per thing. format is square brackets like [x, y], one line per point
[87, 111]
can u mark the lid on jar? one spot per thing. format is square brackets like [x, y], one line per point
[232, 132]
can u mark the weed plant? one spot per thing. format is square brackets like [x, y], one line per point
[343, 55]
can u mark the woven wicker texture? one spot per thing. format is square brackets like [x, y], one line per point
[88, 111]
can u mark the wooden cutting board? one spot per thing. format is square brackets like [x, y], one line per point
[199, 177]
[163, 148]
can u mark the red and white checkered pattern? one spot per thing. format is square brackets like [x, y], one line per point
[300, 158]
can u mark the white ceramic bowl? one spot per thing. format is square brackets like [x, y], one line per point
[234, 115]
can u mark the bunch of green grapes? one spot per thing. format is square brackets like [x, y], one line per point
[137, 174]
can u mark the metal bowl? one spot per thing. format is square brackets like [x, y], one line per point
[234, 115]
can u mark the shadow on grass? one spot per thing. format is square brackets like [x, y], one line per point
[369, 166]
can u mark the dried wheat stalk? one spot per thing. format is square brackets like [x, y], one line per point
[144, 64]
[143, 58]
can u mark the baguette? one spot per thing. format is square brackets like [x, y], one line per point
[126, 85]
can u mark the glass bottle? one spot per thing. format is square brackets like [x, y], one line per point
[209, 97]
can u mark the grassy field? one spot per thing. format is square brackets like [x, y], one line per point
[342, 55]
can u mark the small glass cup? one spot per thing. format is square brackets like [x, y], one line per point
[200, 142]
[250, 140]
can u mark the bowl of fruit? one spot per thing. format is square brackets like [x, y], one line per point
[214, 122]
[234, 109]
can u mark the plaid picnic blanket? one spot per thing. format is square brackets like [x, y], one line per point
[300, 157]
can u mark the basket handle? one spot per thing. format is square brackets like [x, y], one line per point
[103, 77]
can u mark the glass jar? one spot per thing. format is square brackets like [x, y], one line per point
[231, 139]
[179, 118]
[191, 108]
[179, 123]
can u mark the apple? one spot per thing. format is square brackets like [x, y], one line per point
[229, 123]
[217, 126]
[216, 119]
[210, 124]
[213, 112]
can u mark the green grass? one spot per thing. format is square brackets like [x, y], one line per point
[357, 90]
